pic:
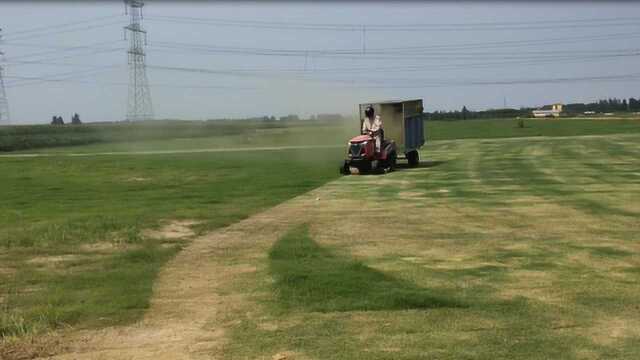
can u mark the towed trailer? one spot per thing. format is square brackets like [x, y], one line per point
[403, 133]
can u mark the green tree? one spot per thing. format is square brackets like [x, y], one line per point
[465, 113]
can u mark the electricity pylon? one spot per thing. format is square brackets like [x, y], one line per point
[139, 106]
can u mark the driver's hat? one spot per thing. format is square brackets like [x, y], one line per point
[368, 111]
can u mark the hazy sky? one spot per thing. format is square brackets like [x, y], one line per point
[232, 64]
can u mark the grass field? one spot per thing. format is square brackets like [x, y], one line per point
[73, 243]
[504, 128]
[154, 134]
[502, 249]
[497, 247]
[127, 137]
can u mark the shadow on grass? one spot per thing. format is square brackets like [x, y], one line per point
[313, 278]
[421, 164]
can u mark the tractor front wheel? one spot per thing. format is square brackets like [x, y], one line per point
[344, 169]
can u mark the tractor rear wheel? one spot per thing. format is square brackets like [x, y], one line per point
[393, 159]
[413, 158]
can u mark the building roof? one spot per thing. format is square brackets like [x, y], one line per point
[550, 107]
[385, 102]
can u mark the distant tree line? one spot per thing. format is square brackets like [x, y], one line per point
[23, 137]
[294, 117]
[466, 114]
[600, 106]
[605, 105]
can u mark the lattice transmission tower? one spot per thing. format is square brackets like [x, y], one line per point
[4, 103]
[139, 106]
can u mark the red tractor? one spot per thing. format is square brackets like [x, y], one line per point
[403, 122]
[362, 156]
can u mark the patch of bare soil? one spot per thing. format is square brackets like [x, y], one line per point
[609, 266]
[31, 347]
[609, 331]
[286, 355]
[173, 230]
[137, 179]
[6, 271]
[101, 247]
[535, 285]
[53, 260]
[411, 195]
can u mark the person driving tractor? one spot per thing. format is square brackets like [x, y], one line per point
[372, 126]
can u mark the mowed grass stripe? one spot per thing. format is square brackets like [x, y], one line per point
[511, 236]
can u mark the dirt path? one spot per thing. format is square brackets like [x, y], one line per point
[187, 303]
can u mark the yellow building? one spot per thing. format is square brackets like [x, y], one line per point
[548, 111]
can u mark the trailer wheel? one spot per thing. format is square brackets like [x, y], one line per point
[413, 158]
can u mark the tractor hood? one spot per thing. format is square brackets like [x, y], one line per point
[360, 139]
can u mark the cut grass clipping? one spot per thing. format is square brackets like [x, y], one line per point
[313, 278]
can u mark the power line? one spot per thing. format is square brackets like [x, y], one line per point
[512, 43]
[259, 72]
[50, 61]
[48, 28]
[423, 83]
[374, 83]
[353, 51]
[434, 81]
[493, 26]
[410, 68]
[430, 49]
[91, 47]
[526, 43]
[387, 54]
[57, 47]
[59, 77]
[600, 54]
[39, 80]
[90, 27]
[623, 78]
[492, 23]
